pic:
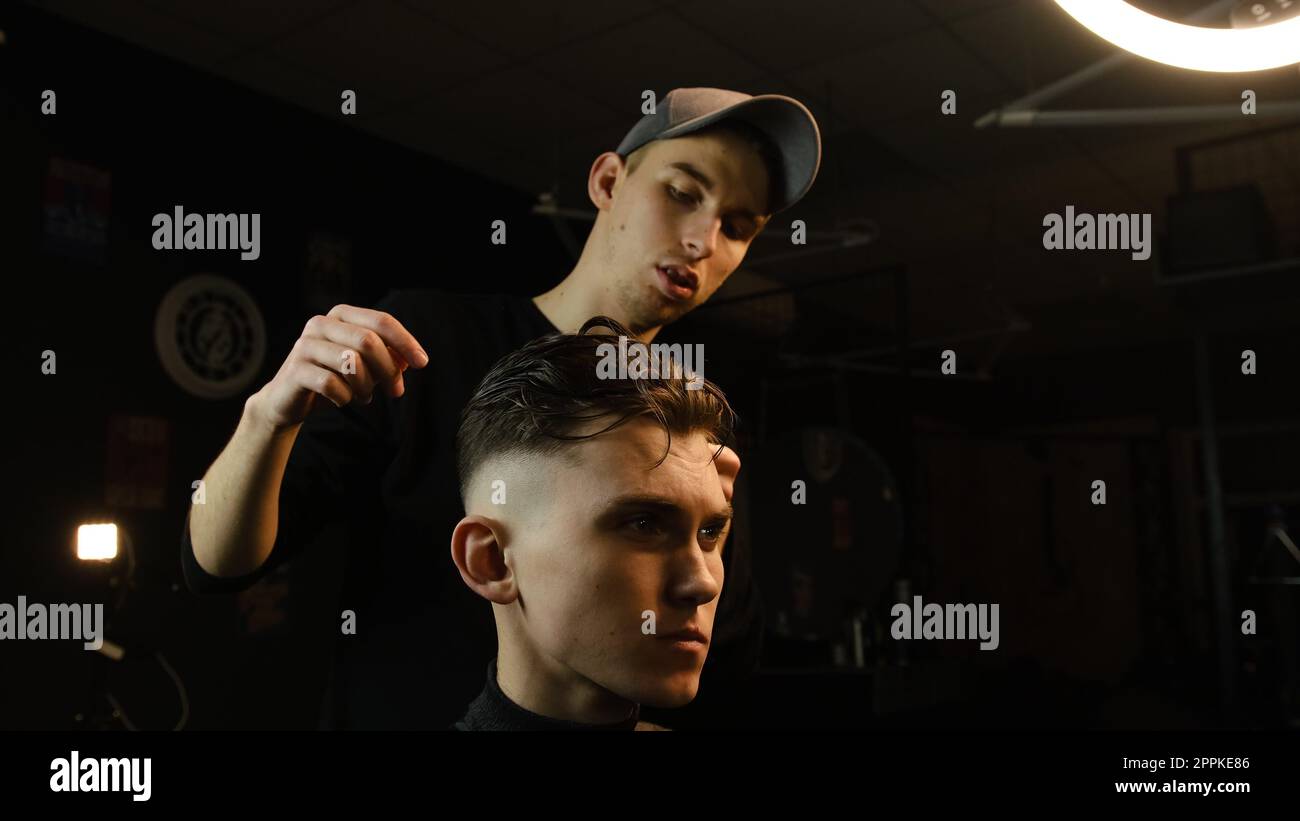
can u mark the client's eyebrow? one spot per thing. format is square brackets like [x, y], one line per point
[663, 505]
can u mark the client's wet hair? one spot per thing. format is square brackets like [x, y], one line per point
[537, 399]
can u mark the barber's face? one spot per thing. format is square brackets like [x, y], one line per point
[620, 547]
[697, 217]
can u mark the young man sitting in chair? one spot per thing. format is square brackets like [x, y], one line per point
[595, 524]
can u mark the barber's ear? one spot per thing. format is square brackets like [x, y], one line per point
[601, 178]
[477, 550]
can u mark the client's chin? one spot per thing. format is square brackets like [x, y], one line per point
[665, 691]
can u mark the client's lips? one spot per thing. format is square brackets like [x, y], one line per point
[687, 634]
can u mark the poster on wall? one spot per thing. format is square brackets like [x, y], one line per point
[136, 472]
[76, 210]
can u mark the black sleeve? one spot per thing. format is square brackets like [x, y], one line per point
[338, 454]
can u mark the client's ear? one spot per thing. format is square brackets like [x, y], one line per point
[480, 558]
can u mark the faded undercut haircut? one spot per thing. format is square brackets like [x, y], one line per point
[537, 399]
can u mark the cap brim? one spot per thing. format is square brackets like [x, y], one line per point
[792, 129]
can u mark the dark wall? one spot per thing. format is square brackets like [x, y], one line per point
[172, 136]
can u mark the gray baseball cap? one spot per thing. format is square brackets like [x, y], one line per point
[787, 123]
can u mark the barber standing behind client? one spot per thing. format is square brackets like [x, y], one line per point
[679, 204]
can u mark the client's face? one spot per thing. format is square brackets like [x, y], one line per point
[621, 558]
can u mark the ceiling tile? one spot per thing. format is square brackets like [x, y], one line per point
[955, 9]
[523, 29]
[391, 48]
[1030, 44]
[782, 35]
[306, 88]
[146, 27]
[902, 78]
[248, 21]
[656, 53]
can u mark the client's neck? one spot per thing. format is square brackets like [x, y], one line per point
[494, 710]
[547, 688]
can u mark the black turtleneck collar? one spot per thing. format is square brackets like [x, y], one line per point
[493, 710]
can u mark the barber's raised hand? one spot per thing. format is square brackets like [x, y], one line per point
[728, 465]
[344, 356]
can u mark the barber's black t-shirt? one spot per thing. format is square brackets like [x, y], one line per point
[388, 471]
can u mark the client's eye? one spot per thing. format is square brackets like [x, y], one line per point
[712, 533]
[643, 525]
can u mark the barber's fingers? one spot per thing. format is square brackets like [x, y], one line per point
[397, 387]
[368, 344]
[390, 332]
[342, 356]
[318, 380]
[349, 365]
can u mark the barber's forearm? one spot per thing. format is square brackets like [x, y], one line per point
[234, 529]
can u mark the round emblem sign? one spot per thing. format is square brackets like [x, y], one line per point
[210, 336]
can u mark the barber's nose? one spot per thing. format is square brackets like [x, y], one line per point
[701, 238]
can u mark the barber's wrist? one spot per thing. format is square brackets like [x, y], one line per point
[256, 422]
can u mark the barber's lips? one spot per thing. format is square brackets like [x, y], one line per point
[675, 284]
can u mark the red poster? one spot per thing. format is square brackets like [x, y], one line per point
[136, 475]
